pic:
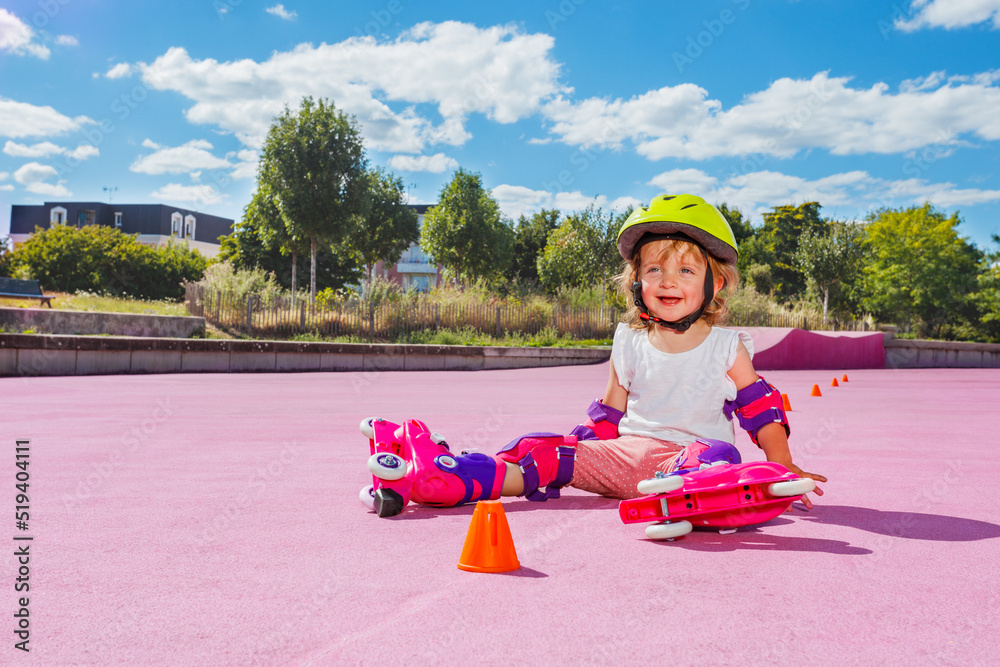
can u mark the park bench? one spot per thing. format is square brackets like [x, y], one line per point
[12, 288]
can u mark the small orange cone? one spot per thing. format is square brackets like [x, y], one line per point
[785, 404]
[815, 391]
[488, 545]
[834, 383]
[843, 379]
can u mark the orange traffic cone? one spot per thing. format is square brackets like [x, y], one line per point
[815, 391]
[834, 383]
[488, 545]
[785, 404]
[843, 379]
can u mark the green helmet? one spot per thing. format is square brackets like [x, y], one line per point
[680, 214]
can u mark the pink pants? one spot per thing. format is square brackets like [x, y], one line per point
[612, 468]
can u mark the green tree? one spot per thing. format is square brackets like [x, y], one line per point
[779, 240]
[263, 216]
[387, 226]
[986, 298]
[530, 237]
[313, 164]
[6, 254]
[742, 229]
[921, 272]
[465, 232]
[753, 249]
[581, 251]
[831, 261]
[260, 240]
[759, 277]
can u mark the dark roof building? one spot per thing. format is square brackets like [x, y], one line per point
[155, 224]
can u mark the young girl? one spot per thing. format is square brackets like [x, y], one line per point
[675, 379]
[672, 372]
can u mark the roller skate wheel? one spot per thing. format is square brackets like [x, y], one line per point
[438, 439]
[367, 497]
[793, 487]
[387, 466]
[446, 461]
[660, 484]
[668, 530]
[367, 429]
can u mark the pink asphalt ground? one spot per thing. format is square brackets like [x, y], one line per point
[214, 519]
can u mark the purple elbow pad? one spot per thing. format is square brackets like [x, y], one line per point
[757, 405]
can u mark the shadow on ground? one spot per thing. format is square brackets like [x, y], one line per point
[911, 525]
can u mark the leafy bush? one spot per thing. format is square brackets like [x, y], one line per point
[239, 283]
[6, 265]
[104, 260]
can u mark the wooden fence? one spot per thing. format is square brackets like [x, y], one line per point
[279, 317]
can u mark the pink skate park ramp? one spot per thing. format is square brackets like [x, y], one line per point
[214, 519]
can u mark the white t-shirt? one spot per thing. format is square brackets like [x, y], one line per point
[677, 397]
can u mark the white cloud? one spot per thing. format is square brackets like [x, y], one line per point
[119, 71]
[517, 200]
[33, 177]
[67, 40]
[4, 175]
[681, 181]
[950, 14]
[20, 119]
[47, 148]
[436, 164]
[42, 149]
[200, 194]
[17, 37]
[33, 172]
[193, 155]
[83, 151]
[790, 116]
[280, 11]
[757, 192]
[7, 188]
[49, 189]
[247, 165]
[458, 68]
[623, 203]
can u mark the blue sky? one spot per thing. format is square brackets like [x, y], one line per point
[758, 103]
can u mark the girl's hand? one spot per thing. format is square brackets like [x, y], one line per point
[802, 473]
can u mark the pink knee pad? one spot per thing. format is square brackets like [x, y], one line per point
[703, 453]
[545, 459]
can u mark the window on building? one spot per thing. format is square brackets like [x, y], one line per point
[189, 227]
[175, 224]
[118, 219]
[57, 216]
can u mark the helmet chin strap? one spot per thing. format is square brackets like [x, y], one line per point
[682, 325]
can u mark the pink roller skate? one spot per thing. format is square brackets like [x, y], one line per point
[710, 487]
[408, 462]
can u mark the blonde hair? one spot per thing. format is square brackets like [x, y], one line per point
[714, 314]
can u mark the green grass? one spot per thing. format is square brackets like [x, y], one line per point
[96, 303]
[465, 336]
